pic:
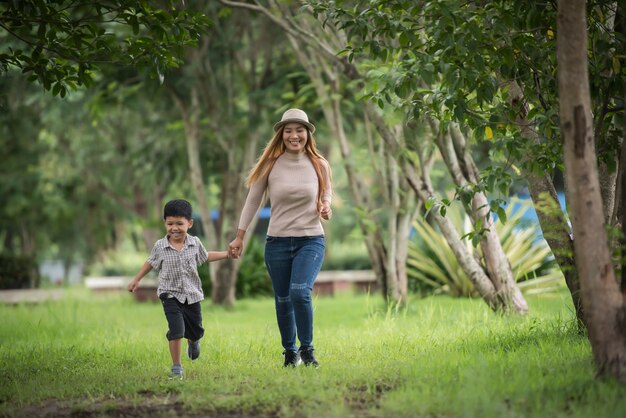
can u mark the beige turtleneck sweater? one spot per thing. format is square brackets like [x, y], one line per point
[292, 188]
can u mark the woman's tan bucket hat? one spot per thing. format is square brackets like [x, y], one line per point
[297, 116]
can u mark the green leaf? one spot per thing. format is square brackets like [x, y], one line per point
[504, 188]
[616, 65]
[475, 240]
[56, 88]
[501, 214]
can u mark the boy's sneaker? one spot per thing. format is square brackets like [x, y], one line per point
[306, 354]
[193, 349]
[292, 358]
[177, 372]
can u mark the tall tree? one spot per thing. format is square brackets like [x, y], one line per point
[80, 169]
[225, 95]
[604, 300]
[489, 67]
[505, 294]
[386, 239]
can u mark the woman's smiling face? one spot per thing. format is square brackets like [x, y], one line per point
[295, 136]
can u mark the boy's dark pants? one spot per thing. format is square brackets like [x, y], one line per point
[184, 319]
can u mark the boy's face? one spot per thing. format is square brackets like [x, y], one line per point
[177, 226]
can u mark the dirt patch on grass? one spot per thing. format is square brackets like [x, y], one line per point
[364, 398]
[361, 401]
[148, 404]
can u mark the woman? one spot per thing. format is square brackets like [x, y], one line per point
[297, 180]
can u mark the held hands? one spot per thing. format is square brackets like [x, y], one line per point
[325, 211]
[235, 248]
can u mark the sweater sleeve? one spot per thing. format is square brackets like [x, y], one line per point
[253, 202]
[328, 193]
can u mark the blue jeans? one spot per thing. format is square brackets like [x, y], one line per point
[293, 264]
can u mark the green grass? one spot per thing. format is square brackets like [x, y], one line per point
[440, 357]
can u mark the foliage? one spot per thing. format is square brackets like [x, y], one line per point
[62, 44]
[454, 61]
[252, 278]
[85, 172]
[124, 261]
[439, 357]
[40, 197]
[432, 266]
[18, 272]
[347, 254]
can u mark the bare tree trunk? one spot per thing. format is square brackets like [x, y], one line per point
[603, 299]
[233, 193]
[382, 251]
[151, 235]
[190, 115]
[496, 262]
[317, 61]
[552, 220]
[421, 185]
[466, 259]
[618, 216]
[325, 55]
[461, 166]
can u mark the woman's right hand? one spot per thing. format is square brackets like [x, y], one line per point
[235, 248]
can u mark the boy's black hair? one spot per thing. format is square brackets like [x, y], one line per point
[177, 207]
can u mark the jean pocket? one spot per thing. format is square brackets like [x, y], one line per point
[318, 240]
[269, 239]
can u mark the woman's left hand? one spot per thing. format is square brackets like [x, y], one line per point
[326, 212]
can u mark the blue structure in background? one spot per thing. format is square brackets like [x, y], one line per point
[264, 214]
[261, 227]
[528, 218]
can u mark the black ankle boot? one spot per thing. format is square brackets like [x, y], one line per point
[292, 358]
[306, 354]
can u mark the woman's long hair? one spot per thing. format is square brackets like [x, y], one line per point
[276, 147]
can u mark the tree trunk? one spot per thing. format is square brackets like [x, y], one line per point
[421, 187]
[466, 259]
[552, 220]
[462, 168]
[318, 60]
[233, 193]
[382, 248]
[191, 118]
[496, 262]
[603, 299]
[619, 211]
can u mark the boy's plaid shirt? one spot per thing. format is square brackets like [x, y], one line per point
[178, 270]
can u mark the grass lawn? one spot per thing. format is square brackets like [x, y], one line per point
[440, 357]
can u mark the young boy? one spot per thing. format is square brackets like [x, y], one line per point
[176, 257]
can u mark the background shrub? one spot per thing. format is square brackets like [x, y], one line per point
[433, 267]
[350, 254]
[18, 272]
[252, 278]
